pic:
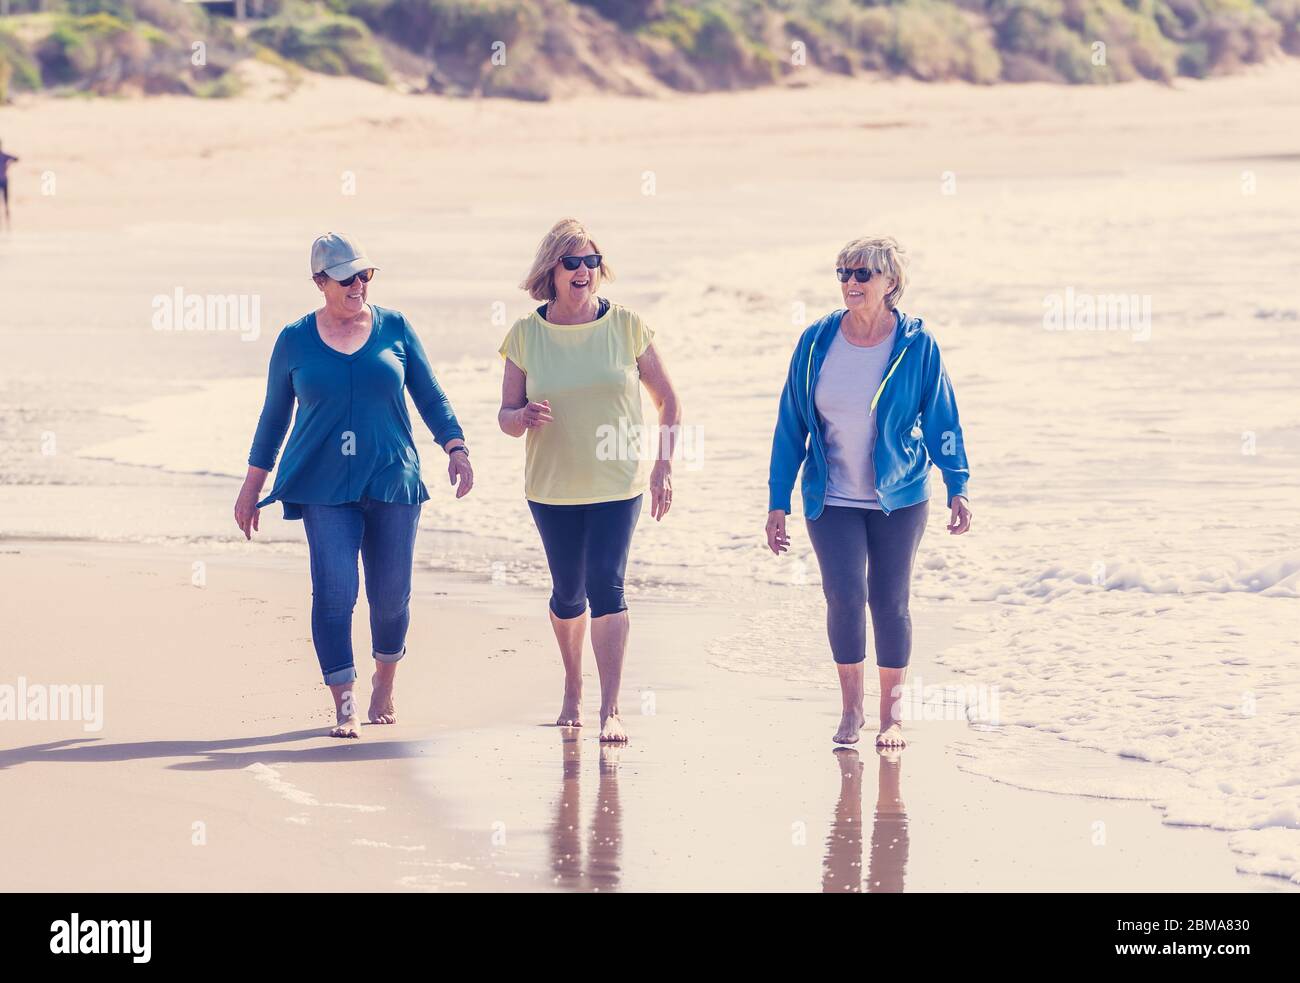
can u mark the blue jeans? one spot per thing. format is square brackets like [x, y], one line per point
[384, 534]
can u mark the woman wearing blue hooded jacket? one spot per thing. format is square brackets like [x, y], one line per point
[867, 407]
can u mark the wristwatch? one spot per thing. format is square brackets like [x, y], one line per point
[458, 447]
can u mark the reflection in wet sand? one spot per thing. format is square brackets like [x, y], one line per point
[842, 869]
[601, 870]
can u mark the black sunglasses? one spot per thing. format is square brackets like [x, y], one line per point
[573, 262]
[365, 275]
[861, 274]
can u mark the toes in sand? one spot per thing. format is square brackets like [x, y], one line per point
[570, 711]
[612, 730]
[850, 724]
[891, 736]
[346, 728]
[382, 710]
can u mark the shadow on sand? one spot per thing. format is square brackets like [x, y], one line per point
[214, 755]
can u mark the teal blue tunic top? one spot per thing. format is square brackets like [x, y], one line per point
[352, 434]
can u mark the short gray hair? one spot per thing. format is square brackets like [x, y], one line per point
[880, 254]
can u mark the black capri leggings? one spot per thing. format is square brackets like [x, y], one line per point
[866, 560]
[586, 549]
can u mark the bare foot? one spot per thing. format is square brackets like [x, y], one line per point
[381, 700]
[850, 723]
[345, 712]
[891, 736]
[346, 727]
[611, 728]
[570, 710]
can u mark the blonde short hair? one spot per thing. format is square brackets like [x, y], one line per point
[881, 254]
[567, 237]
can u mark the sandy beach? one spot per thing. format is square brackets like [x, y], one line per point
[1130, 585]
[211, 771]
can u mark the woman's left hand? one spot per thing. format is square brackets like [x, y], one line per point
[458, 466]
[960, 520]
[661, 489]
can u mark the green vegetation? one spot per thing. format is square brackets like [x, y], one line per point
[105, 47]
[459, 38]
[931, 40]
[18, 70]
[534, 49]
[717, 42]
[447, 26]
[329, 43]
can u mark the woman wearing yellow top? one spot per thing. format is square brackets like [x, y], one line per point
[573, 372]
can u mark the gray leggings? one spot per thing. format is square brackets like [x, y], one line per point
[866, 560]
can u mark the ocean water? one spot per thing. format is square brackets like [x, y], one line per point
[1132, 580]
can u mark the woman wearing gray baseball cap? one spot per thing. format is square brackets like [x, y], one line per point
[350, 470]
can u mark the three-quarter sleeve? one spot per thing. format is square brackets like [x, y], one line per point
[430, 401]
[277, 409]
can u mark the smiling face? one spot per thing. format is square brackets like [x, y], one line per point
[869, 296]
[575, 288]
[343, 302]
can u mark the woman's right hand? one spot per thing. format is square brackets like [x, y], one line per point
[777, 541]
[246, 510]
[534, 416]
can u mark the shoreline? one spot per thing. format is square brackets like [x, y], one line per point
[729, 782]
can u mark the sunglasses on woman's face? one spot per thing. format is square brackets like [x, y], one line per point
[573, 262]
[861, 274]
[365, 276]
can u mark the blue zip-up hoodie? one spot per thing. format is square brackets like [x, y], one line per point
[916, 422]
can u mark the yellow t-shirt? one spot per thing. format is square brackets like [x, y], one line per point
[593, 450]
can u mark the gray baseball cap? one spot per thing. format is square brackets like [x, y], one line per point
[338, 256]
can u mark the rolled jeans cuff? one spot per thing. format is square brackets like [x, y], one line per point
[347, 674]
[384, 657]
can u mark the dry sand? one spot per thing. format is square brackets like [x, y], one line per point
[122, 200]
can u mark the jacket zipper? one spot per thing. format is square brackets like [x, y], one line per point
[812, 410]
[816, 429]
[876, 398]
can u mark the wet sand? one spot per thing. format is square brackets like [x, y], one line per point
[211, 771]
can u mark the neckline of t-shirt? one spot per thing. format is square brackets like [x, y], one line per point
[584, 324]
[374, 333]
[888, 339]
